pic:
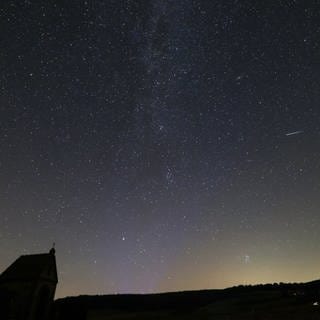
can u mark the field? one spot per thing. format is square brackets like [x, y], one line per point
[262, 302]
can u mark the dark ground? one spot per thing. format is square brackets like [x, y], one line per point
[271, 301]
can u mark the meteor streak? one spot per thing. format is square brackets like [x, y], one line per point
[293, 133]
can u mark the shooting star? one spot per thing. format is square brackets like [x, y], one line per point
[293, 133]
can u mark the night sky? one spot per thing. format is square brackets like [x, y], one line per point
[163, 145]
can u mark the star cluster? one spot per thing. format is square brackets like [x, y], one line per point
[162, 145]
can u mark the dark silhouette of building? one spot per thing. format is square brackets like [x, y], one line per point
[27, 287]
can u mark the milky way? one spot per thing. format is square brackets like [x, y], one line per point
[162, 145]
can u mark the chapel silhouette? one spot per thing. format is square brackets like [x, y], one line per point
[27, 287]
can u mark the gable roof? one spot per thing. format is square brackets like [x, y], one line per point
[32, 267]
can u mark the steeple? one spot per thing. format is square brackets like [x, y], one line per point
[53, 250]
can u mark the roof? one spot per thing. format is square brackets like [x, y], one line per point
[32, 267]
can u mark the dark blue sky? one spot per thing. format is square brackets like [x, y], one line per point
[163, 145]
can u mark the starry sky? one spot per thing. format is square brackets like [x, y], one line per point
[162, 145]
